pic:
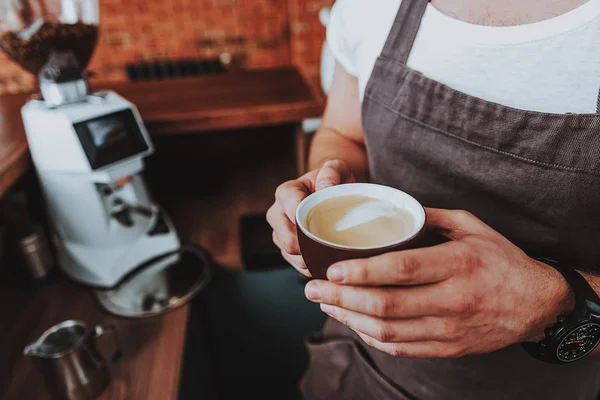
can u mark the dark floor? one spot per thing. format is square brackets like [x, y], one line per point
[246, 337]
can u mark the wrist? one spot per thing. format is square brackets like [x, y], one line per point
[557, 298]
[576, 332]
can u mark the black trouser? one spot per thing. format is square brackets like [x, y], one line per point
[246, 337]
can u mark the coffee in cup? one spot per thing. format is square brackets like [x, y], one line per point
[356, 221]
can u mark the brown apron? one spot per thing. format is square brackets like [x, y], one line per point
[534, 177]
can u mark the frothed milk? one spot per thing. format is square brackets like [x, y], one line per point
[359, 221]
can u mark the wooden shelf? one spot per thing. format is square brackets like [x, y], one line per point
[239, 99]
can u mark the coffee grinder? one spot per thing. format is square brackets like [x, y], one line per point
[88, 150]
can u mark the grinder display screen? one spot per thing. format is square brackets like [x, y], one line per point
[111, 138]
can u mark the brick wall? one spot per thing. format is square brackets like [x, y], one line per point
[307, 36]
[262, 33]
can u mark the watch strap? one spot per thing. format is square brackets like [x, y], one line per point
[540, 352]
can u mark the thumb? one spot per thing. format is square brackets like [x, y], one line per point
[454, 224]
[333, 173]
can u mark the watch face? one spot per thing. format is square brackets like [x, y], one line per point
[579, 342]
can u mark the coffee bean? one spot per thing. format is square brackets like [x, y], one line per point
[53, 45]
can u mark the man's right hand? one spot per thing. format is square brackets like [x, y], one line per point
[282, 214]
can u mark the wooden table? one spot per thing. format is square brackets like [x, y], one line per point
[183, 106]
[153, 348]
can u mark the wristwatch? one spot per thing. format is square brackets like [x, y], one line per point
[575, 335]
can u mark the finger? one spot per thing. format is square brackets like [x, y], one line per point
[408, 267]
[407, 302]
[333, 173]
[291, 193]
[297, 262]
[294, 260]
[283, 230]
[426, 349]
[454, 224]
[392, 330]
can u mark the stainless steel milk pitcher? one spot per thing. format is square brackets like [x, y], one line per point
[68, 358]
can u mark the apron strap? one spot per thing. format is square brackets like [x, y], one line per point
[404, 31]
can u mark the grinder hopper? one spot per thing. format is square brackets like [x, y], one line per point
[52, 39]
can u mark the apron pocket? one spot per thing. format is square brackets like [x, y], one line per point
[340, 369]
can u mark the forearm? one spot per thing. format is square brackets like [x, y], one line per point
[331, 145]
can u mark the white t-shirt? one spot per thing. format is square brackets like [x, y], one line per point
[551, 66]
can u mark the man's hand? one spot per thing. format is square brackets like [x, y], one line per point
[473, 294]
[282, 215]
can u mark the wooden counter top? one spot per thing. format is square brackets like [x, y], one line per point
[152, 349]
[191, 105]
[14, 154]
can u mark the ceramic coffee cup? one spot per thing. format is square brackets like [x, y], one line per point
[320, 254]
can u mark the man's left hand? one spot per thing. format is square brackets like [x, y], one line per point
[474, 294]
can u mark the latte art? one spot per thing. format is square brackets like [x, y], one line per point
[359, 221]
